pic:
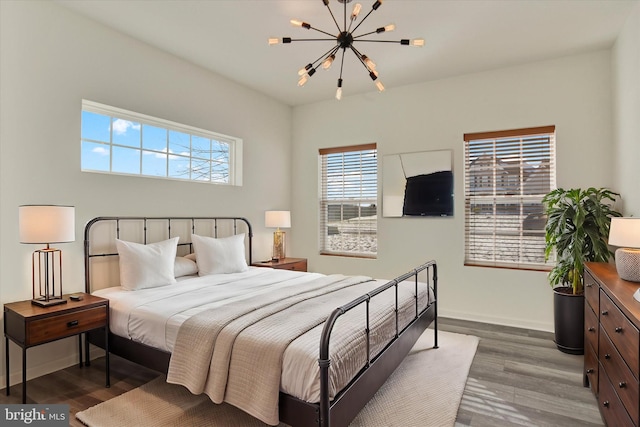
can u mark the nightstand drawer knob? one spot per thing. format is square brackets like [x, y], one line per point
[622, 384]
[72, 324]
[589, 371]
[592, 329]
[618, 329]
[605, 403]
[605, 312]
[607, 356]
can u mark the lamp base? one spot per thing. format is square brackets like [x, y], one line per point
[628, 264]
[52, 301]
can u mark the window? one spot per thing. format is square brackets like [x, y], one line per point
[348, 201]
[507, 173]
[123, 142]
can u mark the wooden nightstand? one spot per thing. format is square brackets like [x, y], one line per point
[296, 264]
[30, 325]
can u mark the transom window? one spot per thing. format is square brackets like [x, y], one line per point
[124, 142]
[348, 201]
[507, 173]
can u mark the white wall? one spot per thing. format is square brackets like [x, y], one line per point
[626, 107]
[51, 60]
[573, 93]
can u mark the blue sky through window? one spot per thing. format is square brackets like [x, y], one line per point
[114, 144]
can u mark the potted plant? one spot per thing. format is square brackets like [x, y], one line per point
[577, 229]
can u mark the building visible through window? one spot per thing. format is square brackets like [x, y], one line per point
[349, 200]
[507, 173]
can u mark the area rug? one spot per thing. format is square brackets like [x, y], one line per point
[425, 390]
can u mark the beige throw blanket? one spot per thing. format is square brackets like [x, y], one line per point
[234, 353]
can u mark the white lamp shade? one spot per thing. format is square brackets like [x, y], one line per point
[277, 219]
[46, 224]
[625, 232]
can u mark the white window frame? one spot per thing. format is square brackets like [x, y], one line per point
[234, 143]
[504, 240]
[365, 230]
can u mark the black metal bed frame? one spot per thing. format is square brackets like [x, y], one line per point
[327, 413]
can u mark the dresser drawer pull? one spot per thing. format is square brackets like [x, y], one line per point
[618, 329]
[605, 403]
[588, 285]
[622, 384]
[590, 371]
[591, 329]
[607, 356]
[72, 324]
[605, 312]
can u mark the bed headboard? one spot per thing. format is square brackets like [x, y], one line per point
[101, 267]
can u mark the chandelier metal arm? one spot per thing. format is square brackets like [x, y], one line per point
[402, 41]
[333, 39]
[373, 8]
[326, 54]
[326, 3]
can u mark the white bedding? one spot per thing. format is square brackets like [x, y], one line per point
[153, 316]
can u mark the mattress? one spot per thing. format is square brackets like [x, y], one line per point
[154, 316]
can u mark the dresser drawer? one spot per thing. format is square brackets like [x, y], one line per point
[622, 380]
[611, 407]
[53, 328]
[591, 327]
[591, 368]
[591, 291]
[622, 332]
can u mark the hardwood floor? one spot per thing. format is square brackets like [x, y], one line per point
[518, 377]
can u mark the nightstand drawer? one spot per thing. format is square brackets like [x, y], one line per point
[611, 407]
[296, 266]
[591, 327]
[621, 331]
[591, 291]
[53, 328]
[622, 380]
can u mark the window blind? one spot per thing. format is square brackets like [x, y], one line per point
[348, 200]
[507, 173]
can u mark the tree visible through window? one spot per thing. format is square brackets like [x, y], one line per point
[348, 200]
[507, 173]
[124, 142]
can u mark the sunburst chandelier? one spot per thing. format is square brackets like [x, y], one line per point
[345, 39]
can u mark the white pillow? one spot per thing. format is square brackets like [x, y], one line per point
[184, 266]
[147, 266]
[216, 256]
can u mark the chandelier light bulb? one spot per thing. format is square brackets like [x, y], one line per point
[356, 11]
[339, 90]
[273, 40]
[304, 69]
[327, 62]
[380, 86]
[303, 80]
[368, 62]
[386, 28]
[417, 42]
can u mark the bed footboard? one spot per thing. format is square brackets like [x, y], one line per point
[348, 403]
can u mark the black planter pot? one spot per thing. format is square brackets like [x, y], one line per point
[568, 310]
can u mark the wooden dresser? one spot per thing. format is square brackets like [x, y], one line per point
[612, 344]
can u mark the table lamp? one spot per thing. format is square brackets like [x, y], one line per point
[46, 224]
[278, 219]
[625, 233]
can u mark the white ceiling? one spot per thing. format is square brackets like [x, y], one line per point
[229, 37]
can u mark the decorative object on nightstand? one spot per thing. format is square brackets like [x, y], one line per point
[278, 219]
[47, 224]
[625, 233]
